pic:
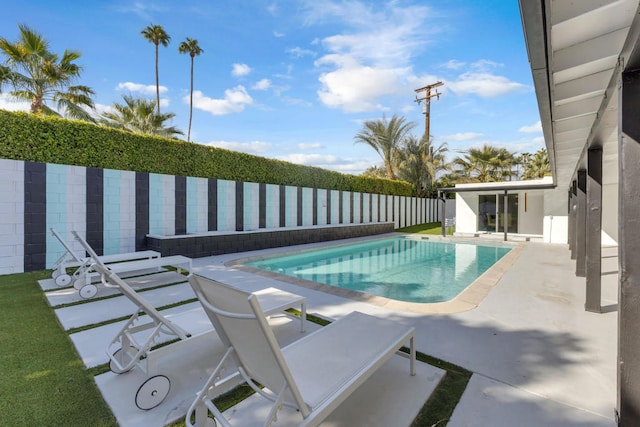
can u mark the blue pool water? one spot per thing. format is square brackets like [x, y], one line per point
[405, 269]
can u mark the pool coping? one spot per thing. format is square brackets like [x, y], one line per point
[466, 300]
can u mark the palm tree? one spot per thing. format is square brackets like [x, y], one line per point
[484, 164]
[505, 162]
[191, 47]
[419, 162]
[137, 115]
[385, 136]
[537, 165]
[155, 34]
[40, 76]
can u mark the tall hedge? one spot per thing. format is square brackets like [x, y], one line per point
[54, 140]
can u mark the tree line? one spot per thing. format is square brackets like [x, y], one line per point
[41, 77]
[423, 164]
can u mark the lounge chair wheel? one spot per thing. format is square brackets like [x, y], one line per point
[55, 274]
[118, 356]
[79, 283]
[152, 392]
[88, 291]
[63, 280]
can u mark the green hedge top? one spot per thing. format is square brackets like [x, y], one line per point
[54, 140]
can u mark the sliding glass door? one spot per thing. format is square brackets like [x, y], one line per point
[490, 213]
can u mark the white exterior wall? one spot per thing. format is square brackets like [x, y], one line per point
[556, 220]
[466, 212]
[531, 211]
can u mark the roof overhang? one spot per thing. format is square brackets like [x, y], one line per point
[537, 184]
[577, 50]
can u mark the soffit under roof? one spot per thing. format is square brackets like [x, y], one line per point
[574, 47]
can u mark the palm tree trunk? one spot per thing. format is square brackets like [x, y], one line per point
[157, 81]
[390, 173]
[190, 103]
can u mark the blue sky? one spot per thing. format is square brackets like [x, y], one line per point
[294, 80]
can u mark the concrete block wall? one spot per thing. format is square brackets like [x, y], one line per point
[116, 210]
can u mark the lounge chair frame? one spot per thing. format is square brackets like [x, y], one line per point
[129, 349]
[181, 263]
[251, 345]
[82, 274]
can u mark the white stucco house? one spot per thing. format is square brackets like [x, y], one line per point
[536, 209]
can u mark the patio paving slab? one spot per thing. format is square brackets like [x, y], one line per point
[487, 402]
[120, 306]
[69, 295]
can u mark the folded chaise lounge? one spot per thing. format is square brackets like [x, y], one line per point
[82, 265]
[312, 375]
[181, 263]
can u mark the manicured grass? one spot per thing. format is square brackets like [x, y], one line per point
[429, 228]
[43, 382]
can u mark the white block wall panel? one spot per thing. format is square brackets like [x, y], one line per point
[291, 206]
[169, 205]
[272, 219]
[356, 207]
[335, 206]
[66, 208]
[127, 211]
[307, 206]
[346, 208]
[11, 216]
[197, 200]
[226, 205]
[322, 207]
[251, 215]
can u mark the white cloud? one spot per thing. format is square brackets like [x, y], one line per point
[371, 59]
[296, 101]
[484, 85]
[484, 65]
[330, 162]
[278, 34]
[354, 87]
[234, 101]
[454, 64]
[309, 146]
[7, 102]
[462, 136]
[240, 70]
[140, 88]
[298, 52]
[101, 109]
[534, 128]
[263, 84]
[253, 147]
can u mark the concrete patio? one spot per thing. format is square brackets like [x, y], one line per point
[537, 357]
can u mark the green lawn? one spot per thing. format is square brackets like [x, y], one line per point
[44, 382]
[429, 228]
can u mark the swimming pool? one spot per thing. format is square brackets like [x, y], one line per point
[398, 268]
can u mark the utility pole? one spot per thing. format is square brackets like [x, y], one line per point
[427, 104]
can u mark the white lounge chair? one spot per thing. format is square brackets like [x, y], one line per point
[82, 265]
[134, 344]
[313, 375]
[181, 263]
